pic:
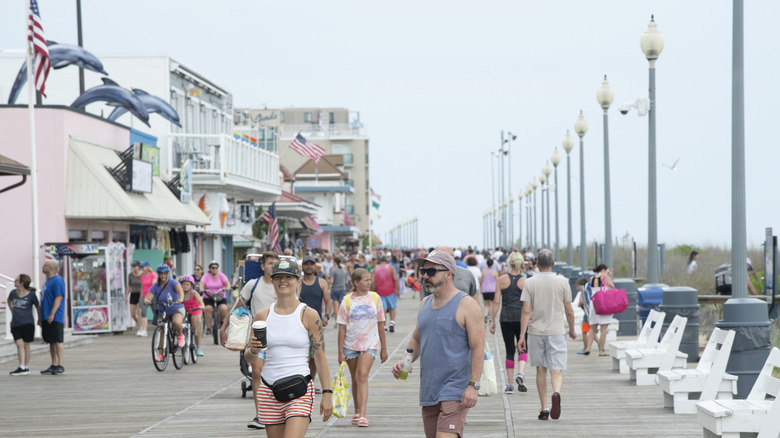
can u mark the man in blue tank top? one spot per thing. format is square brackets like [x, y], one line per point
[449, 340]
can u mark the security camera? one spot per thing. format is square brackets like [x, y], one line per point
[624, 108]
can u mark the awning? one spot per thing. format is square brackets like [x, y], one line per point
[92, 193]
[9, 167]
[311, 223]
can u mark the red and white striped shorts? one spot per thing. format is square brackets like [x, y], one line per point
[271, 411]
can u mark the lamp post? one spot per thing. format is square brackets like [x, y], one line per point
[511, 221]
[542, 180]
[604, 96]
[520, 221]
[534, 185]
[547, 171]
[556, 159]
[652, 44]
[528, 236]
[568, 145]
[581, 127]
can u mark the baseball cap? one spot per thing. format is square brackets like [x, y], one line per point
[145, 264]
[457, 254]
[286, 266]
[309, 258]
[383, 259]
[136, 263]
[440, 258]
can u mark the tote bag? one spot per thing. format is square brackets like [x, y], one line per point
[610, 301]
[488, 385]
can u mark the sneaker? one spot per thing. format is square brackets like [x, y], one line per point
[58, 370]
[510, 389]
[208, 332]
[142, 333]
[199, 352]
[20, 372]
[159, 357]
[392, 326]
[520, 379]
[139, 332]
[49, 370]
[555, 411]
[583, 352]
[255, 424]
[181, 341]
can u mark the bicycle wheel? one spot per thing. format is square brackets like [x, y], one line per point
[215, 326]
[186, 332]
[176, 351]
[159, 347]
[193, 348]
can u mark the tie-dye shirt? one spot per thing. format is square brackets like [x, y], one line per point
[364, 314]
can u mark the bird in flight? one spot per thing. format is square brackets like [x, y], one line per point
[673, 166]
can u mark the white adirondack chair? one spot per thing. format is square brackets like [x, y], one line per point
[644, 363]
[754, 415]
[648, 338]
[709, 381]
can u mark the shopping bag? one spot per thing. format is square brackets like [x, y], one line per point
[610, 301]
[340, 392]
[238, 330]
[487, 383]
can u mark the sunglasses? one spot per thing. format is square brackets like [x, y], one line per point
[430, 272]
[213, 267]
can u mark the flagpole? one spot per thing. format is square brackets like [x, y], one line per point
[33, 161]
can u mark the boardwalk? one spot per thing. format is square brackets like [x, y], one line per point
[111, 389]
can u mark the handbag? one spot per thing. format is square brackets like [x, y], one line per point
[240, 325]
[289, 388]
[610, 301]
[487, 382]
[340, 392]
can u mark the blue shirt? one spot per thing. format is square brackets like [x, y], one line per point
[53, 288]
[161, 295]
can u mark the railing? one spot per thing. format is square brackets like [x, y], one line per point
[223, 155]
[314, 131]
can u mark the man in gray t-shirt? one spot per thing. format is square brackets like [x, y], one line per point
[338, 280]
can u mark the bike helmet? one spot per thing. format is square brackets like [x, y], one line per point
[213, 262]
[163, 269]
[187, 278]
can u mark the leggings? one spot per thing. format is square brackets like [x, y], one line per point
[510, 331]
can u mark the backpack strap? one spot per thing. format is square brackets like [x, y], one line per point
[347, 300]
[376, 299]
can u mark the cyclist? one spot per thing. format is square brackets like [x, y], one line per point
[166, 287]
[197, 276]
[214, 282]
[194, 305]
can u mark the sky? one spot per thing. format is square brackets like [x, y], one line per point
[436, 82]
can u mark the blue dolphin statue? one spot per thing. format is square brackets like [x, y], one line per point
[153, 104]
[114, 95]
[61, 56]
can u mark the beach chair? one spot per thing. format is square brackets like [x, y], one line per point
[644, 363]
[648, 338]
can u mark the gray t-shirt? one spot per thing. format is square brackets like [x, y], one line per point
[262, 297]
[339, 277]
[23, 308]
[547, 293]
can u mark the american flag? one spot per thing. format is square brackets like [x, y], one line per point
[307, 148]
[40, 52]
[375, 194]
[269, 217]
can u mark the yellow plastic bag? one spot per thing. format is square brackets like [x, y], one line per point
[340, 392]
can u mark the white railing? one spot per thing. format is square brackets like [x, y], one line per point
[223, 155]
[313, 130]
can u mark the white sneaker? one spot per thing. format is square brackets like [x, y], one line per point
[142, 333]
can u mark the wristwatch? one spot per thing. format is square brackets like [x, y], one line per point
[475, 385]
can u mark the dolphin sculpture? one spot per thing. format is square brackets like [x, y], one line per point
[114, 95]
[153, 104]
[61, 56]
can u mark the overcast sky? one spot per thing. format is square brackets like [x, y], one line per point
[435, 83]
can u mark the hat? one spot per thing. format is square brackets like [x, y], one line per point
[286, 266]
[135, 263]
[440, 258]
[309, 258]
[457, 254]
[145, 264]
[750, 264]
[383, 259]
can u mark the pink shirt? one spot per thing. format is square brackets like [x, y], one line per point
[147, 280]
[212, 283]
[361, 321]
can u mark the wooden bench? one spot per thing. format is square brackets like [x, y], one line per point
[644, 363]
[709, 381]
[648, 338]
[754, 415]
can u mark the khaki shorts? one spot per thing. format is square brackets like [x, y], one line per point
[446, 416]
[547, 351]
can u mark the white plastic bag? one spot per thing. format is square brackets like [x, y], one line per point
[340, 392]
[487, 383]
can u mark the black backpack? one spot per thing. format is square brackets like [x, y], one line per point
[723, 279]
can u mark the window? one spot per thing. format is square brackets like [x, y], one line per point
[307, 117]
[119, 236]
[77, 235]
[331, 118]
[341, 149]
[97, 236]
[281, 117]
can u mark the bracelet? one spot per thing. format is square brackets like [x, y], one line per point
[327, 391]
[326, 316]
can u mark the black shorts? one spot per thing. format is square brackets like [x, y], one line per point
[210, 302]
[135, 297]
[488, 296]
[24, 332]
[52, 332]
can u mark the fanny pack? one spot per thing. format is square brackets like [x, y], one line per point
[289, 388]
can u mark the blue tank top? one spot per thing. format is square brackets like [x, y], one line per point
[312, 295]
[445, 356]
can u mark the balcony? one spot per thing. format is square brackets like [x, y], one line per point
[223, 163]
[313, 131]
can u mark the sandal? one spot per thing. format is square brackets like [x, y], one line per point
[363, 422]
[355, 419]
[603, 354]
[543, 415]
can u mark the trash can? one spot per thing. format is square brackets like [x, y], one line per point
[558, 267]
[574, 274]
[683, 301]
[628, 317]
[648, 298]
[748, 317]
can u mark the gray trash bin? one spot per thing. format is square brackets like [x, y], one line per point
[683, 301]
[628, 317]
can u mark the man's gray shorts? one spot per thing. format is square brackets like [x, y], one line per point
[547, 351]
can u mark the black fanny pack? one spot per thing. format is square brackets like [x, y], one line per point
[289, 388]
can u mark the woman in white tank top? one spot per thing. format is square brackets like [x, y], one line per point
[294, 333]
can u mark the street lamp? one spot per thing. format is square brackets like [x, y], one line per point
[542, 180]
[547, 171]
[581, 127]
[568, 145]
[556, 159]
[652, 44]
[520, 220]
[604, 96]
[534, 185]
[528, 234]
[511, 221]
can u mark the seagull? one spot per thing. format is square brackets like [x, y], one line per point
[673, 166]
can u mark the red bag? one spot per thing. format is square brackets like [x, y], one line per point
[610, 301]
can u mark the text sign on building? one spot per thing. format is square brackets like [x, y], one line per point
[142, 176]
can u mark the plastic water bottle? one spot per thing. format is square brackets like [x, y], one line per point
[407, 364]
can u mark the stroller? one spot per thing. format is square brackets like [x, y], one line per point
[252, 269]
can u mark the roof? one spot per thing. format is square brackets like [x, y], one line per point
[290, 197]
[92, 193]
[324, 169]
[10, 167]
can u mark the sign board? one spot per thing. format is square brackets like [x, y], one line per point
[141, 180]
[151, 154]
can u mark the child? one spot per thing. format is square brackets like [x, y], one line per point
[21, 301]
[585, 305]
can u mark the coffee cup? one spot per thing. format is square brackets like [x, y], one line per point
[259, 328]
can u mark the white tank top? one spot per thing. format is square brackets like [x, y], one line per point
[288, 346]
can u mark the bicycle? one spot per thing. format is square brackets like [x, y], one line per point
[164, 341]
[190, 348]
[218, 297]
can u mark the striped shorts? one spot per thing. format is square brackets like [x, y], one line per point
[271, 411]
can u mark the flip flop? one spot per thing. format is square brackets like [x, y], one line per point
[355, 419]
[363, 422]
[603, 354]
[555, 412]
[543, 415]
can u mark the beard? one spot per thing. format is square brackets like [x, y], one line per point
[433, 286]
